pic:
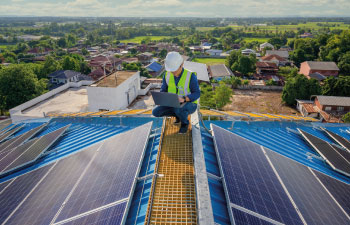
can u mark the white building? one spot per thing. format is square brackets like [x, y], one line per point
[266, 45]
[248, 52]
[214, 52]
[114, 92]
[200, 68]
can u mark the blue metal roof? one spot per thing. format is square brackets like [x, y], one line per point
[154, 67]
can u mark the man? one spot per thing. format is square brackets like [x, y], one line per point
[183, 83]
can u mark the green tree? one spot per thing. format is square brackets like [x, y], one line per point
[18, 84]
[70, 63]
[344, 64]
[288, 72]
[62, 42]
[50, 65]
[346, 118]
[163, 53]
[232, 58]
[207, 96]
[222, 95]
[245, 64]
[299, 87]
[336, 86]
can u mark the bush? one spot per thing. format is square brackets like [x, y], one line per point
[346, 118]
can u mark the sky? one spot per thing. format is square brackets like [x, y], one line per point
[176, 8]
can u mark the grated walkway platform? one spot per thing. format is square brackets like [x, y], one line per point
[174, 196]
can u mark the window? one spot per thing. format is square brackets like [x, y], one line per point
[328, 108]
[340, 108]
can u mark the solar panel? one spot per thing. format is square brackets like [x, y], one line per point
[13, 154]
[14, 142]
[339, 190]
[340, 140]
[250, 181]
[112, 174]
[242, 218]
[11, 197]
[327, 151]
[43, 203]
[342, 152]
[9, 133]
[312, 200]
[111, 215]
[4, 124]
[34, 151]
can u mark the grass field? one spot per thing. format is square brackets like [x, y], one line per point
[209, 61]
[139, 39]
[4, 46]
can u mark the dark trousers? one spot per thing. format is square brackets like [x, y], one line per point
[182, 113]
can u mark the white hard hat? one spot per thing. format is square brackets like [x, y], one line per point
[173, 61]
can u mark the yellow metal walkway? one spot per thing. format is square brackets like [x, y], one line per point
[174, 196]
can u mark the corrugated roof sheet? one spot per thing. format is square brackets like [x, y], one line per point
[315, 65]
[333, 100]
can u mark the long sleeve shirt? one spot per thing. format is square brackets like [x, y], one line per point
[194, 87]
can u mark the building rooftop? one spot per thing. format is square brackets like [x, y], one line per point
[114, 80]
[220, 70]
[333, 100]
[315, 65]
[199, 68]
[283, 54]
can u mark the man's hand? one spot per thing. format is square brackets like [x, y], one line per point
[181, 100]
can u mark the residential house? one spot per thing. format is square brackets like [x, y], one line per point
[196, 49]
[278, 60]
[28, 37]
[282, 53]
[154, 69]
[306, 35]
[247, 52]
[266, 45]
[214, 52]
[64, 76]
[285, 48]
[98, 73]
[235, 46]
[328, 108]
[199, 68]
[326, 69]
[110, 63]
[145, 58]
[266, 68]
[219, 72]
[130, 60]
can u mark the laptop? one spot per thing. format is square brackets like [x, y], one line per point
[166, 99]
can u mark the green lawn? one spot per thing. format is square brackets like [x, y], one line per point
[4, 46]
[209, 61]
[260, 40]
[139, 39]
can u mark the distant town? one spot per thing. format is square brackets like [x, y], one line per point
[264, 67]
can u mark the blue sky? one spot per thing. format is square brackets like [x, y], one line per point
[176, 8]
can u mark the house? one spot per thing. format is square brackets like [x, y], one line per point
[328, 108]
[110, 63]
[155, 69]
[266, 68]
[278, 60]
[64, 76]
[199, 68]
[306, 35]
[130, 60]
[98, 73]
[145, 58]
[196, 49]
[285, 48]
[266, 45]
[324, 68]
[115, 91]
[219, 72]
[283, 54]
[247, 52]
[28, 37]
[214, 52]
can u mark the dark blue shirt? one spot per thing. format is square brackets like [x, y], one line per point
[194, 87]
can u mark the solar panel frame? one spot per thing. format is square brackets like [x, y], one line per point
[339, 139]
[283, 200]
[73, 200]
[328, 152]
[243, 218]
[9, 133]
[35, 150]
[16, 141]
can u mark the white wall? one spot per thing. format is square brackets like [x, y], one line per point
[114, 98]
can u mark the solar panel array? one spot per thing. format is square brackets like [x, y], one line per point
[9, 133]
[30, 151]
[328, 152]
[4, 124]
[339, 139]
[269, 188]
[88, 187]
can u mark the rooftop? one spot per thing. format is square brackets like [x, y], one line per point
[315, 65]
[114, 80]
[199, 68]
[220, 70]
[333, 100]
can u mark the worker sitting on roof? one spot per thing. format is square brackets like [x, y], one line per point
[183, 83]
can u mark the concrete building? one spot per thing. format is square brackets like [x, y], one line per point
[266, 45]
[114, 92]
[281, 53]
[324, 68]
[219, 72]
[214, 52]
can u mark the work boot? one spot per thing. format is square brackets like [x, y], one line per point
[183, 128]
[177, 121]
